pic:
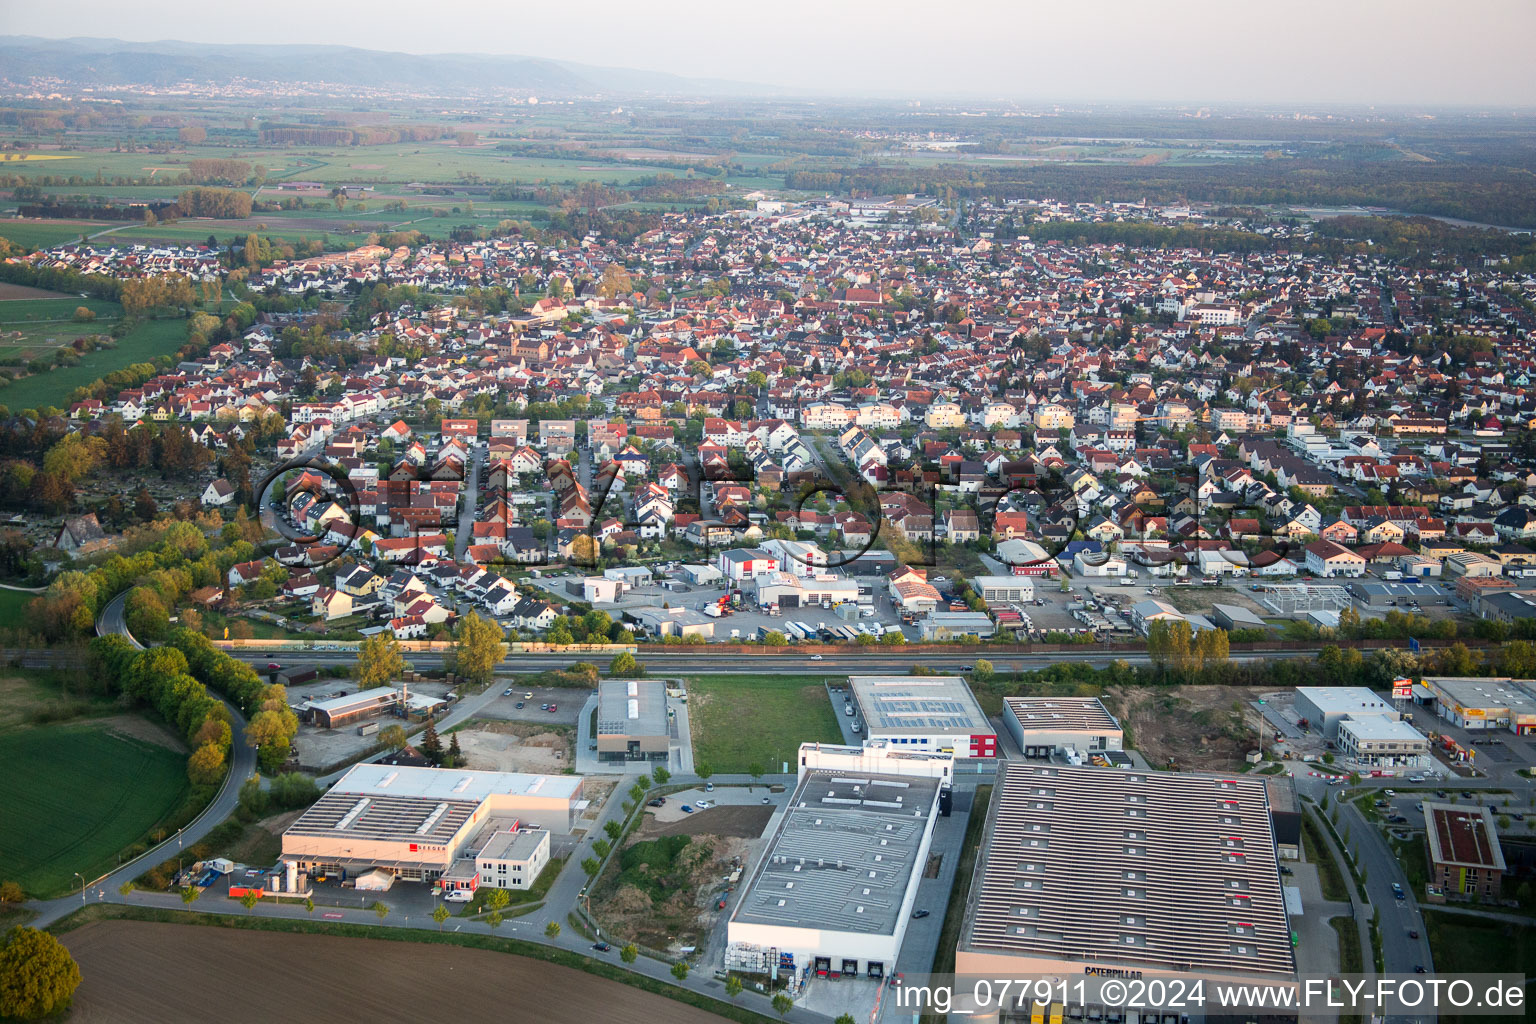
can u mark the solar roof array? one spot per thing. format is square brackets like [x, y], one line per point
[918, 704]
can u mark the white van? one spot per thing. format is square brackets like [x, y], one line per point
[458, 896]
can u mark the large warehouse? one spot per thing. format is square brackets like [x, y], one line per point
[1484, 703]
[1097, 872]
[1324, 707]
[1046, 726]
[632, 720]
[834, 890]
[416, 822]
[924, 713]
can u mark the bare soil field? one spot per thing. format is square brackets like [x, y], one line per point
[140, 971]
[9, 291]
[1196, 726]
[514, 747]
[140, 728]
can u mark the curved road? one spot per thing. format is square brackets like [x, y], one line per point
[242, 767]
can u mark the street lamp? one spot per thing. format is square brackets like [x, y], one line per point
[82, 887]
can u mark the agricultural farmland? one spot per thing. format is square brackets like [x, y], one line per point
[76, 795]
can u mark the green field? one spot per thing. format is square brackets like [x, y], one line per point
[36, 327]
[45, 233]
[149, 339]
[13, 606]
[76, 795]
[1462, 944]
[738, 721]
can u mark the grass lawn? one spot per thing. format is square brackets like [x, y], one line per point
[1329, 876]
[741, 720]
[13, 605]
[1462, 945]
[76, 795]
[149, 339]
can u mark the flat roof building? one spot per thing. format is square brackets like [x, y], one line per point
[929, 713]
[1097, 871]
[1004, 589]
[1382, 742]
[1483, 703]
[834, 890]
[1047, 726]
[1464, 851]
[513, 859]
[1324, 707]
[632, 720]
[416, 822]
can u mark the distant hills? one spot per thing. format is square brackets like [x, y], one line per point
[114, 62]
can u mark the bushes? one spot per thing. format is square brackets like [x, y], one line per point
[284, 792]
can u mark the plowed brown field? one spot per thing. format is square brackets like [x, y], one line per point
[167, 973]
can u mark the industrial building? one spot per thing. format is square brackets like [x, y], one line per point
[1234, 616]
[1324, 707]
[632, 720]
[834, 890]
[1382, 742]
[1004, 589]
[788, 590]
[1046, 727]
[1099, 872]
[416, 823]
[1476, 703]
[938, 625]
[337, 712]
[931, 713]
[1464, 851]
[874, 756]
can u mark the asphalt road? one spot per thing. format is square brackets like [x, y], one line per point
[701, 659]
[242, 767]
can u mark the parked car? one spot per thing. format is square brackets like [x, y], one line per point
[528, 695]
[660, 801]
[687, 808]
[519, 705]
[543, 707]
[918, 915]
[506, 693]
[709, 787]
[554, 707]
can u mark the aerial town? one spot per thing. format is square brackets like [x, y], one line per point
[773, 596]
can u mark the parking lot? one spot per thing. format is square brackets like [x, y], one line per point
[536, 703]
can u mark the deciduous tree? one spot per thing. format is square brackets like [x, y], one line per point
[38, 977]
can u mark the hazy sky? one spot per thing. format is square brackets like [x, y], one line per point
[1298, 51]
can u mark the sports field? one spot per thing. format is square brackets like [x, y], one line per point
[738, 721]
[74, 796]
